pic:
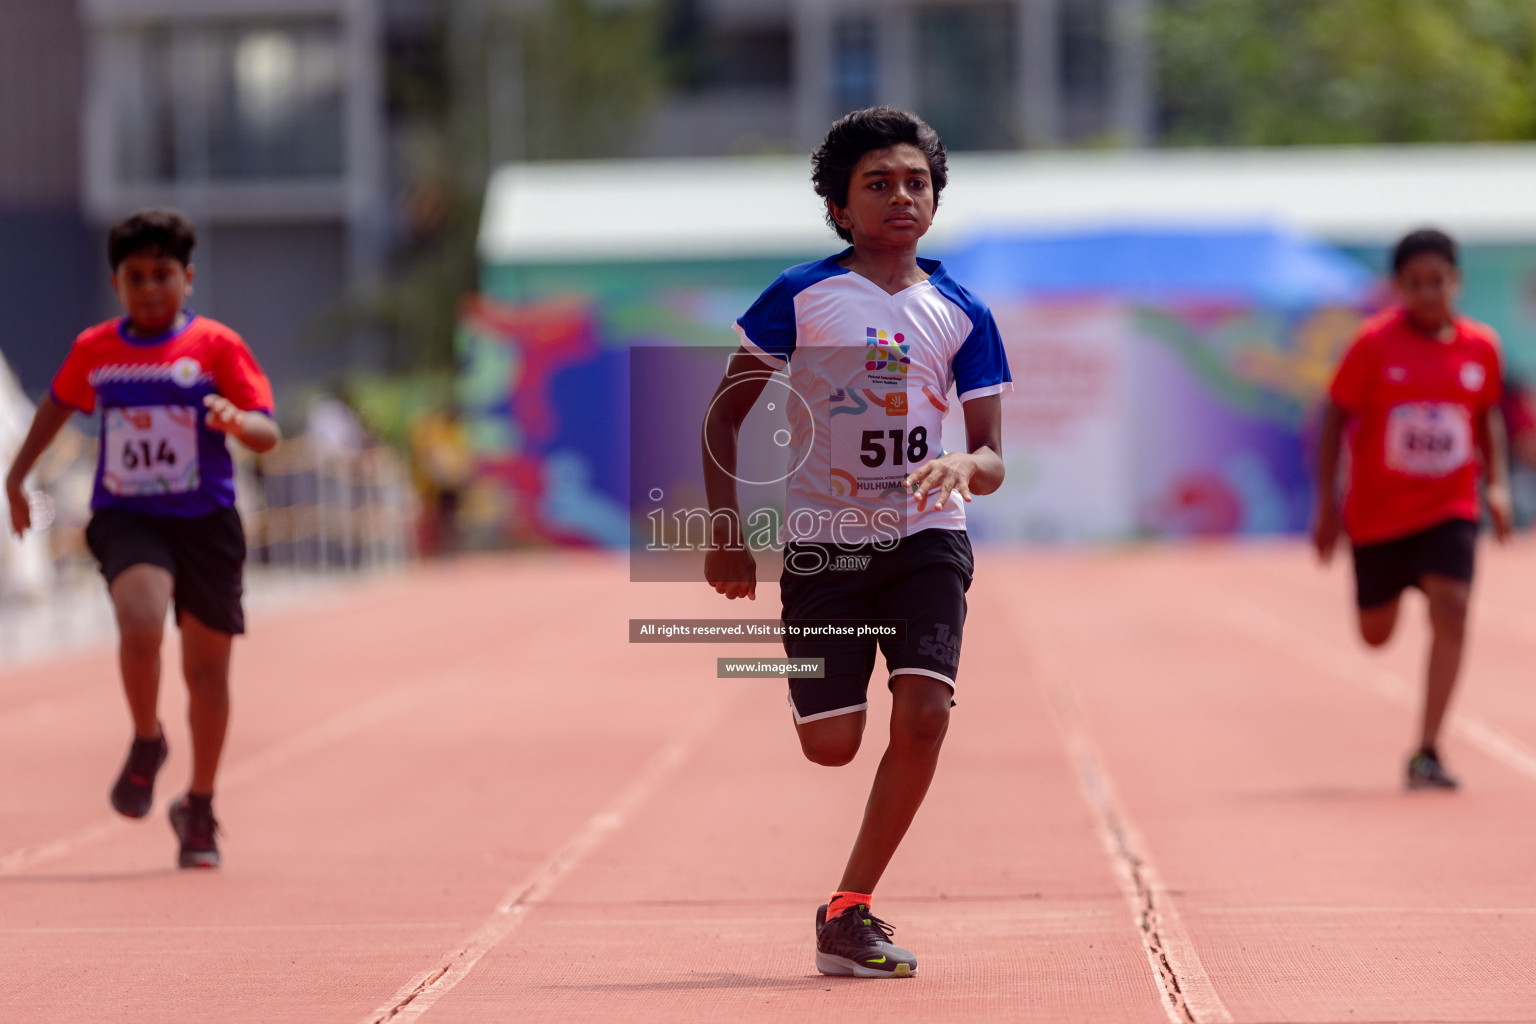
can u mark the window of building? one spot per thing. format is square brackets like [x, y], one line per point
[750, 58]
[703, 54]
[965, 74]
[227, 102]
[144, 106]
[276, 101]
[855, 67]
[1084, 66]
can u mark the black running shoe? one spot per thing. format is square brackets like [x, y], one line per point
[1426, 772]
[858, 943]
[196, 828]
[134, 793]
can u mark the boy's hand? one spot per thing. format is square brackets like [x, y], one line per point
[1501, 511]
[732, 573]
[948, 474]
[1325, 531]
[223, 415]
[21, 506]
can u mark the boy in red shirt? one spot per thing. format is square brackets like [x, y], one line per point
[1417, 398]
[171, 386]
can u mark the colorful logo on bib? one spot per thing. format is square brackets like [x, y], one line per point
[186, 371]
[1472, 376]
[885, 352]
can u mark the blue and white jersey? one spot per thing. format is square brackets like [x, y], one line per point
[874, 373]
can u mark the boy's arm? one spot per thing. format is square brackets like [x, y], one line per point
[729, 567]
[984, 440]
[256, 430]
[979, 470]
[46, 424]
[1326, 525]
[1493, 440]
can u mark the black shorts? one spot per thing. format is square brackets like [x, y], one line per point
[922, 580]
[205, 555]
[1382, 571]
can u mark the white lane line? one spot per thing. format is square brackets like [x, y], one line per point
[1324, 655]
[1188, 997]
[1395, 911]
[198, 929]
[422, 992]
[388, 705]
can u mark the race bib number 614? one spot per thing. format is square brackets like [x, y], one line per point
[150, 449]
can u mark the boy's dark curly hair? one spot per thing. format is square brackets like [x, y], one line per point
[156, 232]
[1418, 243]
[863, 131]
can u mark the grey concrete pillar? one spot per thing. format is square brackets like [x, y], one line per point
[1038, 25]
[813, 69]
[1131, 85]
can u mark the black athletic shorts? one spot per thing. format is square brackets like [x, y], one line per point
[1382, 571]
[205, 555]
[922, 580]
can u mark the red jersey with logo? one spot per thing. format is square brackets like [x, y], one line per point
[1414, 403]
[157, 454]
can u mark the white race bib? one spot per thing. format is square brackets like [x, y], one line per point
[1428, 439]
[150, 449]
[871, 447]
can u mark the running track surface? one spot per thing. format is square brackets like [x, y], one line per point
[1170, 792]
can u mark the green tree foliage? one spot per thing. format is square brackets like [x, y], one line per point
[1289, 72]
[502, 80]
[593, 69]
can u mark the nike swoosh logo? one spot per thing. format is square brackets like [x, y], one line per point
[875, 960]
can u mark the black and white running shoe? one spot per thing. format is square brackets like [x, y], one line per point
[192, 818]
[1426, 772]
[134, 793]
[858, 943]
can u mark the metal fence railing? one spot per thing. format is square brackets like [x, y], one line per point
[311, 509]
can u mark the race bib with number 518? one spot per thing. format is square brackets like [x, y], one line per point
[871, 447]
[150, 449]
[1428, 439]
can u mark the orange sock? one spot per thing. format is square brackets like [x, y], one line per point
[842, 901]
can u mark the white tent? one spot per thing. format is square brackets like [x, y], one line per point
[624, 210]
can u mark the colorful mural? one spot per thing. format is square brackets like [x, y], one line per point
[547, 410]
[1166, 386]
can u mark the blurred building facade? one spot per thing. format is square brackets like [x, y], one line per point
[762, 75]
[265, 120]
[270, 123]
[50, 262]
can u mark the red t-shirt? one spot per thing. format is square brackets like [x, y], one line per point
[1413, 404]
[157, 455]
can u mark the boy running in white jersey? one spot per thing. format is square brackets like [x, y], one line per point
[875, 340]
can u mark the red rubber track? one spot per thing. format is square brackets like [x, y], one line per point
[1171, 791]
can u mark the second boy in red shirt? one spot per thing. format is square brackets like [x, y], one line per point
[1416, 397]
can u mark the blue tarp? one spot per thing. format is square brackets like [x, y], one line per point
[1265, 266]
